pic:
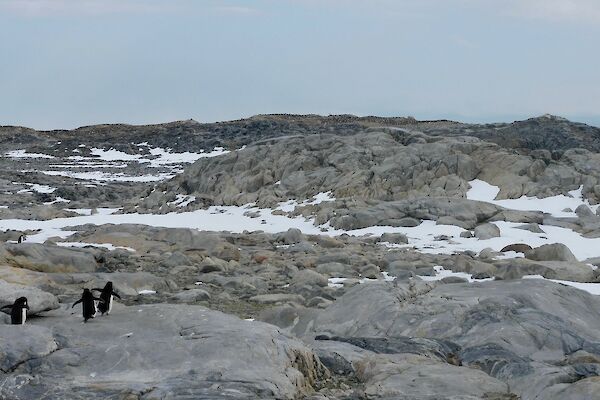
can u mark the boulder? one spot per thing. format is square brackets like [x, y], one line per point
[551, 252]
[291, 236]
[48, 258]
[309, 277]
[486, 231]
[396, 238]
[191, 296]
[37, 299]
[275, 298]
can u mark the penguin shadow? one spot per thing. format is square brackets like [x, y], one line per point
[92, 305]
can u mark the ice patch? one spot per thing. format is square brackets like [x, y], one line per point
[35, 187]
[105, 176]
[24, 154]
[143, 292]
[441, 273]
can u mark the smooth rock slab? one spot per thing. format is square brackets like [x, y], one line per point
[48, 258]
[517, 331]
[164, 349]
[19, 343]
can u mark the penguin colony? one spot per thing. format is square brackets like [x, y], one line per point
[90, 304]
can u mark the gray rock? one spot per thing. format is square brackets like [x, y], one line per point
[18, 344]
[333, 269]
[46, 258]
[584, 212]
[397, 238]
[408, 222]
[551, 252]
[309, 277]
[191, 296]
[517, 331]
[535, 228]
[454, 279]
[486, 231]
[277, 298]
[37, 299]
[163, 351]
[291, 236]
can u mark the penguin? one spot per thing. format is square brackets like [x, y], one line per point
[18, 313]
[21, 239]
[106, 296]
[89, 305]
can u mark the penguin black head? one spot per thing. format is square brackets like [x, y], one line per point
[109, 286]
[21, 302]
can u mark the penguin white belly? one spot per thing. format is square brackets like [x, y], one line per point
[23, 316]
[95, 308]
[110, 302]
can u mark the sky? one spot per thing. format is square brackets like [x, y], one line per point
[68, 63]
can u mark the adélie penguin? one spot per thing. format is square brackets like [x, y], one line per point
[106, 296]
[18, 313]
[88, 301]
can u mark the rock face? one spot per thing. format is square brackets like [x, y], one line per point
[161, 350]
[381, 165]
[47, 258]
[516, 332]
[37, 299]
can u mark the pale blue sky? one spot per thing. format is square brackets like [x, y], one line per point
[66, 63]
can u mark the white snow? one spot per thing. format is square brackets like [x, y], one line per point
[105, 176]
[24, 154]
[318, 198]
[441, 273]
[182, 200]
[336, 282]
[35, 187]
[554, 205]
[142, 292]
[165, 157]
[107, 246]
[57, 200]
[113, 155]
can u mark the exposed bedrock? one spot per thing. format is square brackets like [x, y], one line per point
[536, 337]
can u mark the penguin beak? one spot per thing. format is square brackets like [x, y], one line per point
[27, 306]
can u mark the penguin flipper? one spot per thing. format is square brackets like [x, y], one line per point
[116, 295]
[6, 306]
[77, 302]
[96, 289]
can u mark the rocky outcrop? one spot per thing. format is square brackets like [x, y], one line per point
[48, 258]
[517, 332]
[37, 299]
[158, 350]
